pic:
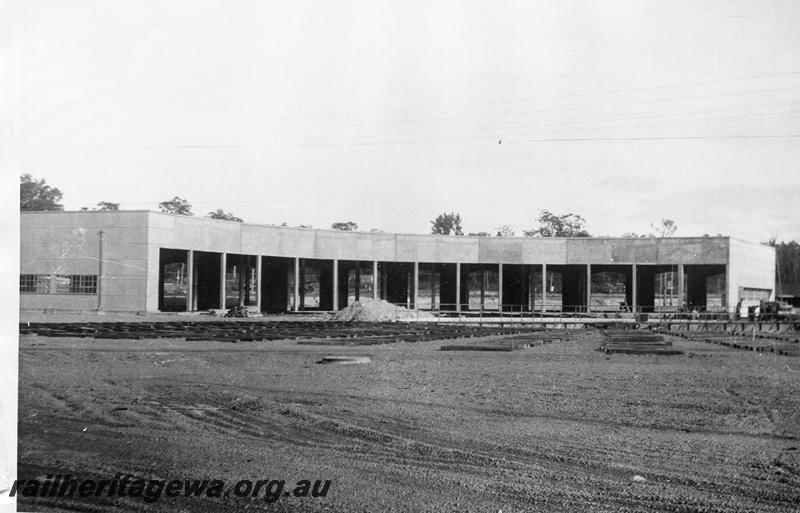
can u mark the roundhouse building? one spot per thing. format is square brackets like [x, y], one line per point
[149, 261]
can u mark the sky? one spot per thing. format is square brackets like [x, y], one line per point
[389, 113]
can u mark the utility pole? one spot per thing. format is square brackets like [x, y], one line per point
[100, 274]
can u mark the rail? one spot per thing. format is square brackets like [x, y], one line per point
[523, 313]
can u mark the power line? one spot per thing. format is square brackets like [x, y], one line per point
[446, 139]
[504, 127]
[537, 98]
[678, 137]
[504, 124]
[549, 110]
[222, 201]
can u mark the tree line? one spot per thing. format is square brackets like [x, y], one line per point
[38, 195]
[550, 225]
[787, 267]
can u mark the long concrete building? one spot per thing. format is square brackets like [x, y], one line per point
[148, 261]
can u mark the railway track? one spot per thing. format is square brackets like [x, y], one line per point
[783, 345]
[321, 333]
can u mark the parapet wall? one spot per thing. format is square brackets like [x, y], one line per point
[222, 236]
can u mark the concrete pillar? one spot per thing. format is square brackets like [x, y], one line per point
[384, 283]
[243, 266]
[500, 287]
[223, 268]
[634, 286]
[335, 302]
[729, 302]
[194, 290]
[458, 287]
[375, 279]
[416, 284]
[409, 279]
[530, 289]
[588, 287]
[680, 286]
[296, 291]
[483, 287]
[357, 283]
[190, 280]
[302, 282]
[544, 285]
[258, 282]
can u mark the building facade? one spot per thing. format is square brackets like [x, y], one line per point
[147, 261]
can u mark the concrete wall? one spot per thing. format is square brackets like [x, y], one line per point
[751, 266]
[686, 250]
[201, 234]
[360, 246]
[69, 243]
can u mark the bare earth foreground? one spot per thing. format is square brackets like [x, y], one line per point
[559, 427]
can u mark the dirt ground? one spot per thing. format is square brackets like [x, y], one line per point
[560, 427]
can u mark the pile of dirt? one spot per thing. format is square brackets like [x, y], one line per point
[377, 310]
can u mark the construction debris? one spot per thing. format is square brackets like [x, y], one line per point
[636, 342]
[376, 310]
[484, 347]
[344, 360]
[237, 311]
[512, 343]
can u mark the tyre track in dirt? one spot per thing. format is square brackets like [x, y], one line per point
[401, 450]
[551, 467]
[295, 424]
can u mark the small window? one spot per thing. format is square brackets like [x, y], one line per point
[755, 295]
[76, 284]
[34, 283]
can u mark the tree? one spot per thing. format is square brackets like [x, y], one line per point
[552, 225]
[347, 226]
[505, 231]
[177, 206]
[667, 228]
[37, 195]
[787, 267]
[225, 216]
[447, 224]
[107, 206]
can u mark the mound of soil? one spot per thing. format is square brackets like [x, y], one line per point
[376, 310]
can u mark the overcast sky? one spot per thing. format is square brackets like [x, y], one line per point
[388, 113]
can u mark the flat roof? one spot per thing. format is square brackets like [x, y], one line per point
[331, 230]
